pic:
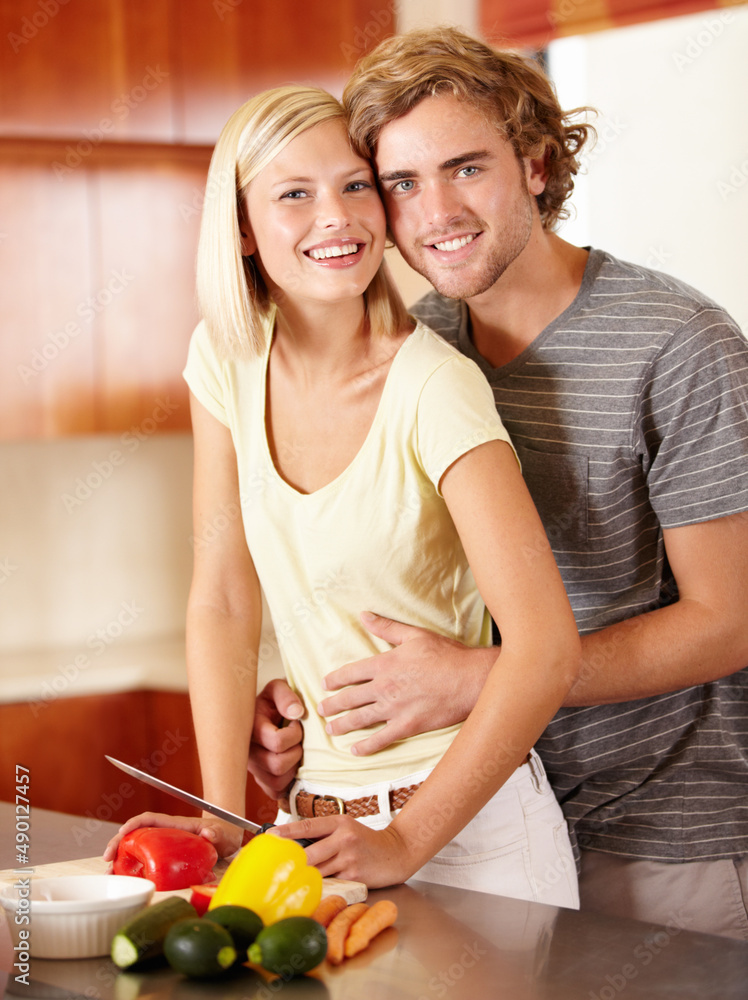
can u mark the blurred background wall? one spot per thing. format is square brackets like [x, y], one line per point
[108, 113]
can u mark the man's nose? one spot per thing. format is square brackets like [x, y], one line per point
[440, 204]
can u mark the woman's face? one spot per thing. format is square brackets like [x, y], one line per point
[316, 225]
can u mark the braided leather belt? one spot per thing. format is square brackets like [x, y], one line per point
[309, 805]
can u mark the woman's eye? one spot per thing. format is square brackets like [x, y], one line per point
[293, 195]
[358, 186]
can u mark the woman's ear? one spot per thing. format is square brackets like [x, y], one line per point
[248, 242]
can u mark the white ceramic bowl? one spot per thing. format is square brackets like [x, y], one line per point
[74, 916]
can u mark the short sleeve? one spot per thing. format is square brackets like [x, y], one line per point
[694, 427]
[456, 413]
[205, 375]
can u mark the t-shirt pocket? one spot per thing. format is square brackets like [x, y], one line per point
[559, 486]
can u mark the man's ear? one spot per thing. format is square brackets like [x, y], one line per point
[536, 173]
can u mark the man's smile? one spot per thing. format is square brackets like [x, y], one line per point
[454, 244]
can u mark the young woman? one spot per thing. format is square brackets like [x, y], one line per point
[365, 467]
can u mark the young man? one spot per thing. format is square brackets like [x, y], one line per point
[626, 395]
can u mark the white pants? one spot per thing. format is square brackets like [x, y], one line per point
[517, 845]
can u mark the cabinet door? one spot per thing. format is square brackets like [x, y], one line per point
[46, 347]
[231, 49]
[98, 70]
[97, 254]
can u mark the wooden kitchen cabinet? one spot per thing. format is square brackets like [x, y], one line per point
[108, 114]
[98, 261]
[63, 744]
[157, 71]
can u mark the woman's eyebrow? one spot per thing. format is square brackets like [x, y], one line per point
[310, 180]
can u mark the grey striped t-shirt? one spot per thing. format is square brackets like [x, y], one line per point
[630, 414]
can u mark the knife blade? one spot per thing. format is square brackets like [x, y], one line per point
[189, 798]
[195, 800]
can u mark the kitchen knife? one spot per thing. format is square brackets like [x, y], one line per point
[194, 800]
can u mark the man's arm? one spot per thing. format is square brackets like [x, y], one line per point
[426, 681]
[700, 638]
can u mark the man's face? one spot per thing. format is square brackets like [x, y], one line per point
[457, 197]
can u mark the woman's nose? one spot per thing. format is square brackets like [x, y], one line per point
[332, 211]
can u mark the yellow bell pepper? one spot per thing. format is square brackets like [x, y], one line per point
[270, 875]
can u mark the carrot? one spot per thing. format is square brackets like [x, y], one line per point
[338, 931]
[382, 914]
[328, 908]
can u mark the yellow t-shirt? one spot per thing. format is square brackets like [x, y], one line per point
[377, 538]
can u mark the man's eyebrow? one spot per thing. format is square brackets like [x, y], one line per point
[455, 161]
[396, 175]
[458, 161]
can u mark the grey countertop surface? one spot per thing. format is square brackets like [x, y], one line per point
[448, 943]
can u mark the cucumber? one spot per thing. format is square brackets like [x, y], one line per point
[199, 948]
[242, 924]
[143, 937]
[290, 947]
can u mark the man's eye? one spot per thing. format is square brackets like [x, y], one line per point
[404, 186]
[469, 171]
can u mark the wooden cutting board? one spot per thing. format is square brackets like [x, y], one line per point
[352, 892]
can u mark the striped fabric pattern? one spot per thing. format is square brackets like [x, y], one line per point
[630, 414]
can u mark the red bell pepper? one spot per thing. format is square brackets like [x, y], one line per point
[202, 895]
[170, 858]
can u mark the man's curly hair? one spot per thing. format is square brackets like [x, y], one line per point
[510, 89]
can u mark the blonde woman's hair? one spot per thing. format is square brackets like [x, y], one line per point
[510, 89]
[234, 300]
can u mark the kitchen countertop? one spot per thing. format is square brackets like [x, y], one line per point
[41, 674]
[449, 943]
